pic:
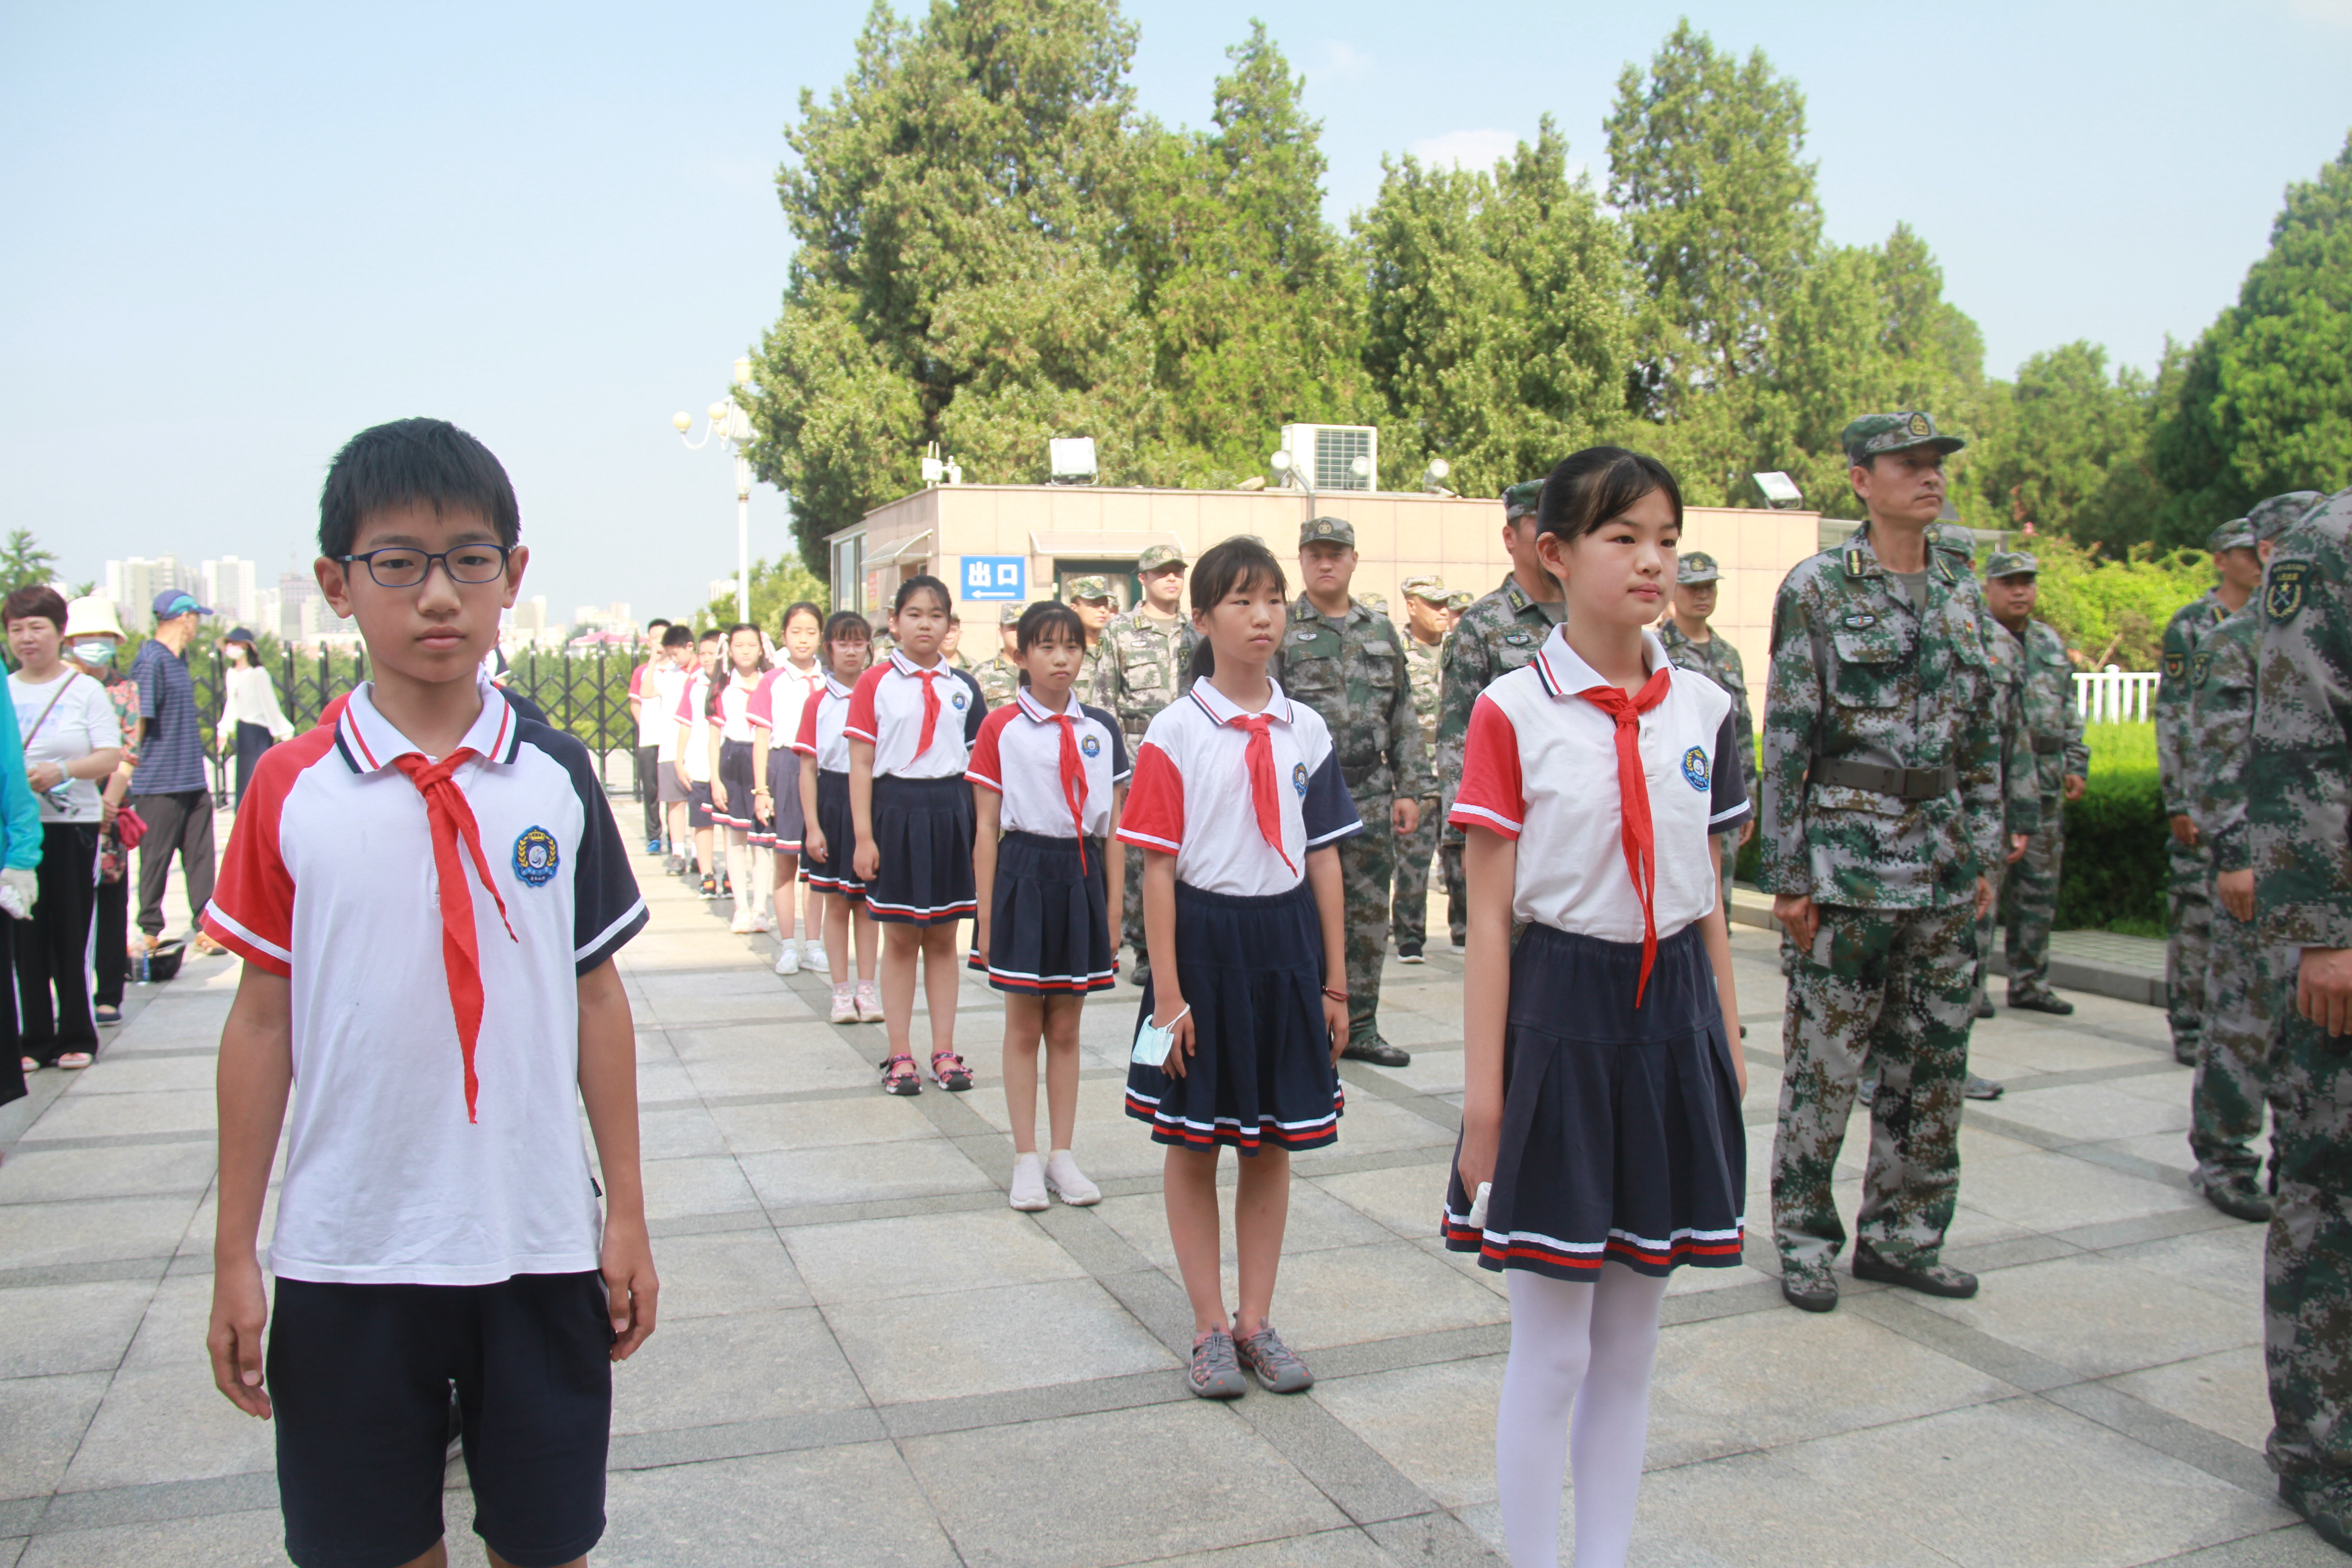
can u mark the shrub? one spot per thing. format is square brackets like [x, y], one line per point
[2113, 611]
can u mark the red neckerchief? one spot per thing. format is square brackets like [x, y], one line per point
[1074, 781]
[931, 704]
[1263, 796]
[1633, 802]
[461, 960]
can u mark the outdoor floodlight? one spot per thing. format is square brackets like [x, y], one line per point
[1071, 459]
[1360, 465]
[1433, 478]
[1780, 491]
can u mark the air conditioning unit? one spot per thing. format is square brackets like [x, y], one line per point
[1334, 456]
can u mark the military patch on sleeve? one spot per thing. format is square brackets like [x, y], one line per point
[2173, 664]
[2283, 594]
[2201, 664]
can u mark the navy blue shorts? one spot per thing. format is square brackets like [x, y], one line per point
[359, 1378]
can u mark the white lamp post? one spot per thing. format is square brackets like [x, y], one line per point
[730, 424]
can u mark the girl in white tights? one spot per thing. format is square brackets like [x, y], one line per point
[1602, 1145]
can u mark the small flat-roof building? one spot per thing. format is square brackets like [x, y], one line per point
[1008, 543]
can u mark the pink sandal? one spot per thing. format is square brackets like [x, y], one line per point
[955, 1078]
[899, 1076]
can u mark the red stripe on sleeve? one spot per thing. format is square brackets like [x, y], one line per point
[760, 710]
[252, 907]
[1153, 818]
[986, 767]
[1493, 794]
[861, 722]
[806, 742]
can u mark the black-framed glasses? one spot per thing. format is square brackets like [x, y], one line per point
[398, 566]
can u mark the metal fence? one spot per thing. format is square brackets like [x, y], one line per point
[585, 696]
[2114, 695]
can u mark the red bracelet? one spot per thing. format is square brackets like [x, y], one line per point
[1335, 995]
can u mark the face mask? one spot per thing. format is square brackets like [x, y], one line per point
[95, 651]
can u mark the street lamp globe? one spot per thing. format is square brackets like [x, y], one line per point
[682, 422]
[744, 371]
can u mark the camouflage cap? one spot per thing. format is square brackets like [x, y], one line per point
[1521, 499]
[1459, 600]
[1900, 431]
[2235, 534]
[1158, 557]
[1327, 531]
[1429, 590]
[2274, 517]
[1088, 588]
[1375, 603]
[1954, 538]
[1010, 615]
[2011, 564]
[1697, 566]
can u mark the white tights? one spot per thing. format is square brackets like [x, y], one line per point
[1585, 1349]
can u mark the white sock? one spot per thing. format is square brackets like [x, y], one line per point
[763, 877]
[1559, 1331]
[738, 852]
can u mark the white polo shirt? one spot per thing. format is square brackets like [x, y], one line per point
[887, 710]
[693, 704]
[330, 881]
[1539, 765]
[776, 706]
[735, 706]
[1019, 755]
[821, 734]
[1191, 794]
[665, 684]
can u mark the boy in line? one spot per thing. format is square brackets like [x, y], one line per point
[428, 893]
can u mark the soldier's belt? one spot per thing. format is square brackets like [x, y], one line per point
[2049, 745]
[1902, 784]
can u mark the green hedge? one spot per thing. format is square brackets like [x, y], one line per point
[2114, 868]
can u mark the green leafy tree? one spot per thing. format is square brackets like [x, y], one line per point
[24, 564]
[776, 586]
[2264, 401]
[2112, 609]
[2071, 455]
[1497, 335]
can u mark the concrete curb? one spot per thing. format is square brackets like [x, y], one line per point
[2123, 982]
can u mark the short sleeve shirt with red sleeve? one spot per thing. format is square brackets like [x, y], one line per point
[1191, 796]
[776, 706]
[822, 733]
[735, 706]
[330, 881]
[693, 711]
[1539, 765]
[1019, 756]
[650, 718]
[886, 710]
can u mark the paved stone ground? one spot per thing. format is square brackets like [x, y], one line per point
[865, 1357]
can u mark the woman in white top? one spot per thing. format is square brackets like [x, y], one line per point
[72, 739]
[250, 722]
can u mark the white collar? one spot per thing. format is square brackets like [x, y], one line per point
[1565, 673]
[1222, 710]
[370, 742]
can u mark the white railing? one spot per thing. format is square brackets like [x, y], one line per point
[2116, 696]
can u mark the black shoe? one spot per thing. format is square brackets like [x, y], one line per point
[1378, 1052]
[2042, 1001]
[1410, 954]
[2187, 1057]
[1983, 1087]
[1984, 1007]
[1810, 1292]
[2235, 1195]
[1927, 1278]
[2327, 1523]
[1141, 977]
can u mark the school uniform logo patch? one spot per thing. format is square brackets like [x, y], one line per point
[1695, 768]
[1299, 778]
[958, 700]
[535, 858]
[1091, 746]
[2283, 595]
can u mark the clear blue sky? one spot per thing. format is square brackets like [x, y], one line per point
[236, 233]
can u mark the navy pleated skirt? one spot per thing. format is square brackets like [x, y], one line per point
[836, 870]
[1049, 918]
[1261, 1070]
[922, 830]
[735, 773]
[784, 830]
[1622, 1135]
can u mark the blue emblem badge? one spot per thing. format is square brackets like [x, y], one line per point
[1298, 780]
[535, 858]
[1091, 746]
[958, 700]
[1695, 769]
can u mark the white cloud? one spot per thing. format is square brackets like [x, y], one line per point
[1478, 149]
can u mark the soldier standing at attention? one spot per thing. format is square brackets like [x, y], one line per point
[1882, 811]
[1145, 665]
[1348, 665]
[1000, 678]
[1959, 542]
[2225, 1102]
[1424, 626]
[1090, 596]
[2299, 833]
[1690, 645]
[1497, 634]
[2188, 897]
[1449, 849]
[2062, 766]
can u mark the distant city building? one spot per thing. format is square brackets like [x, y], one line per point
[133, 584]
[230, 588]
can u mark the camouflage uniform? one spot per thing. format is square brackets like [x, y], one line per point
[1449, 845]
[2299, 839]
[1719, 661]
[1351, 670]
[1000, 678]
[2188, 898]
[1145, 665]
[1091, 667]
[2016, 759]
[1409, 912]
[2054, 728]
[1882, 802]
[1497, 634]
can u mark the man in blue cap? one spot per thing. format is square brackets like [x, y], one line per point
[169, 788]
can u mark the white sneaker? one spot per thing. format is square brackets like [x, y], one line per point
[812, 954]
[741, 925]
[1028, 1185]
[869, 1003]
[788, 960]
[1068, 1182]
[762, 921]
[844, 1006]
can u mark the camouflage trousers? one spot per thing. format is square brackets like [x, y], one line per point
[1886, 990]
[2307, 1266]
[1986, 923]
[2029, 907]
[2190, 908]
[1458, 893]
[1409, 915]
[2225, 1099]
[1367, 866]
